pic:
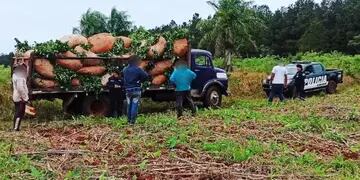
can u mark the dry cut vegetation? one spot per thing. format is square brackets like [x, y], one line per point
[248, 138]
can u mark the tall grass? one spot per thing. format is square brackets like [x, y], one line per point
[350, 64]
[5, 95]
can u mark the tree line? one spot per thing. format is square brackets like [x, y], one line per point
[243, 29]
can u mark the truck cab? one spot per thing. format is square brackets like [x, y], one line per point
[210, 85]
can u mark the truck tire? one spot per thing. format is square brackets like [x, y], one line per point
[331, 88]
[96, 106]
[213, 97]
[74, 108]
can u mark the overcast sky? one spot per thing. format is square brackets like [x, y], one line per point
[41, 20]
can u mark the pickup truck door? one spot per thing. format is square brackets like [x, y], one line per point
[315, 77]
[202, 65]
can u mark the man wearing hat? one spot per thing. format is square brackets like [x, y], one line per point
[20, 93]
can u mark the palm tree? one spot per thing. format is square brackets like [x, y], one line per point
[234, 21]
[118, 23]
[93, 22]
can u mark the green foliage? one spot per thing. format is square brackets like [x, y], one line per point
[93, 22]
[141, 41]
[119, 48]
[171, 36]
[232, 151]
[50, 48]
[350, 64]
[91, 83]
[4, 75]
[64, 76]
[22, 47]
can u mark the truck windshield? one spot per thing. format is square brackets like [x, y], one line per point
[291, 68]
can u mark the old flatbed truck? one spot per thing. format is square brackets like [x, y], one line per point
[209, 87]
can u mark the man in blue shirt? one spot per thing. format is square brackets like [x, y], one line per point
[182, 78]
[133, 77]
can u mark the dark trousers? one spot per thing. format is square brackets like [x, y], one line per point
[182, 96]
[19, 114]
[300, 92]
[117, 103]
[277, 90]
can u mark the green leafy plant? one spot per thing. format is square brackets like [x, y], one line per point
[119, 48]
[91, 83]
[22, 47]
[171, 36]
[64, 76]
[141, 41]
[50, 48]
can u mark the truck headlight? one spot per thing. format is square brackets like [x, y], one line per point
[339, 76]
[221, 76]
[264, 81]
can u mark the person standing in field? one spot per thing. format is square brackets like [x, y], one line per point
[182, 78]
[133, 77]
[117, 94]
[300, 82]
[20, 94]
[278, 82]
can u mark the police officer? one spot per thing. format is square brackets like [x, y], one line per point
[300, 82]
[117, 93]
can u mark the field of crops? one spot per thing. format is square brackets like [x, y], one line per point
[247, 138]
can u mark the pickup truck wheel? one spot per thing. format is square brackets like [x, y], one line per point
[96, 106]
[213, 98]
[331, 88]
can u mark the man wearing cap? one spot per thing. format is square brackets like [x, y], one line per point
[20, 94]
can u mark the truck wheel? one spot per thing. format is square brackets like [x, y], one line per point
[213, 98]
[74, 108]
[96, 106]
[331, 88]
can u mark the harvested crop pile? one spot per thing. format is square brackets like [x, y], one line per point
[44, 83]
[75, 82]
[44, 68]
[92, 70]
[72, 64]
[181, 47]
[74, 40]
[144, 64]
[75, 58]
[159, 80]
[161, 67]
[102, 43]
[126, 41]
[88, 54]
[158, 49]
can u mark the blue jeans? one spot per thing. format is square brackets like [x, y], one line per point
[133, 96]
[277, 90]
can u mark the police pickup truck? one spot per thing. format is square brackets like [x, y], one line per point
[317, 78]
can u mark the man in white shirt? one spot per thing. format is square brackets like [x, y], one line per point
[278, 82]
[20, 94]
